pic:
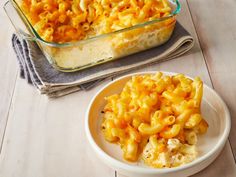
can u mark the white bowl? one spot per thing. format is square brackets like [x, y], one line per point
[209, 145]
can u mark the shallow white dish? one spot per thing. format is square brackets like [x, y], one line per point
[209, 145]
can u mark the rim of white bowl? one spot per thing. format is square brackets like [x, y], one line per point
[139, 169]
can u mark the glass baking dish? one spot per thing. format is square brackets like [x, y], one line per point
[74, 56]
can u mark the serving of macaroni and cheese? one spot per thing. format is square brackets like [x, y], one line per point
[63, 21]
[156, 119]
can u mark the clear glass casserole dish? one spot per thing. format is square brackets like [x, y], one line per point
[74, 56]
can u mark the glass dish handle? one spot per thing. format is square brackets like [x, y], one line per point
[17, 22]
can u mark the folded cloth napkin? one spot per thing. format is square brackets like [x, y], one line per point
[35, 68]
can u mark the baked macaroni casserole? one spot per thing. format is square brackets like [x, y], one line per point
[83, 33]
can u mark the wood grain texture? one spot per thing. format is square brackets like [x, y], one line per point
[8, 69]
[215, 22]
[46, 137]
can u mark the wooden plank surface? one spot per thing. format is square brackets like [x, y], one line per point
[215, 22]
[46, 137]
[8, 69]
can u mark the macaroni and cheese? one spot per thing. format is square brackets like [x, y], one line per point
[72, 20]
[156, 118]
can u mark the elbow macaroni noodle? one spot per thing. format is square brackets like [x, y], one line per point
[157, 118]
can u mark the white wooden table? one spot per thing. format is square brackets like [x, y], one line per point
[42, 137]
